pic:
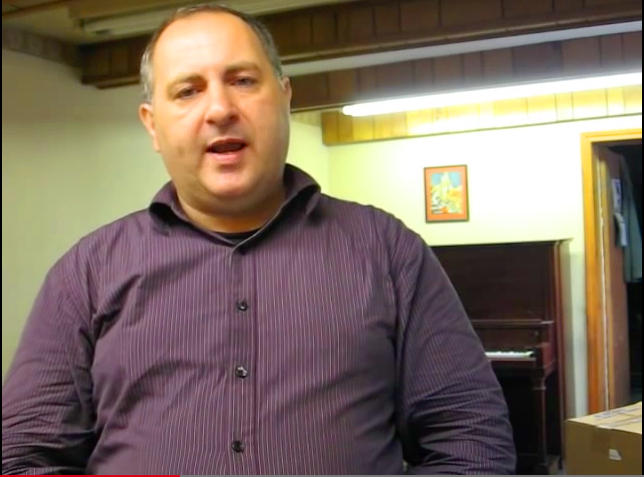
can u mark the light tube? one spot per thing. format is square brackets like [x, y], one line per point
[482, 95]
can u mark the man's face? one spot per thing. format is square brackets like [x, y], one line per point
[219, 116]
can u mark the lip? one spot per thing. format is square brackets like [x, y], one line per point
[226, 157]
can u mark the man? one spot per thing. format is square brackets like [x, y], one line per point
[245, 323]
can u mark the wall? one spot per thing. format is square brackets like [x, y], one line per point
[74, 158]
[524, 184]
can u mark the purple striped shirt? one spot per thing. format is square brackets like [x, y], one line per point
[328, 342]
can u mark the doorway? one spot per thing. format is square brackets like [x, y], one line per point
[612, 312]
[631, 159]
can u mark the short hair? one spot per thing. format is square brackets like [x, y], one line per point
[257, 26]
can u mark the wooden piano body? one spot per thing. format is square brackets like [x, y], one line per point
[512, 293]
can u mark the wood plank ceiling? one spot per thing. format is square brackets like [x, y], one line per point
[307, 31]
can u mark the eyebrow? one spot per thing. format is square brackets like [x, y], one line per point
[243, 65]
[187, 78]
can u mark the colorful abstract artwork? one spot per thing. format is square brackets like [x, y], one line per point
[446, 197]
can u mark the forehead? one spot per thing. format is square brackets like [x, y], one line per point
[207, 37]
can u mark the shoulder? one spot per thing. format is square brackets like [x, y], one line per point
[379, 227]
[120, 233]
[115, 240]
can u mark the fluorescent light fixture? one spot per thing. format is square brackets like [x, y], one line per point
[482, 95]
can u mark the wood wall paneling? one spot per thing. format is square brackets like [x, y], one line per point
[632, 99]
[302, 31]
[376, 25]
[359, 24]
[522, 8]
[568, 5]
[542, 109]
[395, 79]
[473, 67]
[363, 128]
[419, 15]
[537, 60]
[387, 19]
[581, 54]
[345, 128]
[589, 104]
[310, 89]
[497, 64]
[632, 48]
[564, 106]
[610, 51]
[615, 103]
[118, 63]
[448, 71]
[343, 86]
[330, 127]
[595, 3]
[463, 12]
[323, 29]
[423, 74]
[98, 64]
[119, 60]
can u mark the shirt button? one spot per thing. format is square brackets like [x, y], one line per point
[241, 372]
[242, 305]
[238, 446]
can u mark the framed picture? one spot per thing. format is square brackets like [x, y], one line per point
[446, 197]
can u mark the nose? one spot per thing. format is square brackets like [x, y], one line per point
[221, 108]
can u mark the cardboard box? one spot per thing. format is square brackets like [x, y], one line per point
[608, 442]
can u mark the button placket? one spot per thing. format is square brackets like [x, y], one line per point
[242, 340]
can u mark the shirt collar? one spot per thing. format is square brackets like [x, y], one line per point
[300, 187]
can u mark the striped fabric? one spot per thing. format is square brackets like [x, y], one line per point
[328, 342]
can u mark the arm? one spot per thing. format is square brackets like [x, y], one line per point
[452, 416]
[47, 413]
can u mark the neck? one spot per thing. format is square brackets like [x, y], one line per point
[235, 222]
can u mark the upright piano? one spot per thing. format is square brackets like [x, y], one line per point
[512, 294]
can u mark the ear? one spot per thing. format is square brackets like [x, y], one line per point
[286, 88]
[146, 115]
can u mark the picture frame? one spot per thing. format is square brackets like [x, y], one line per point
[446, 194]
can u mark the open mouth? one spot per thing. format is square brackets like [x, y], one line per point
[226, 146]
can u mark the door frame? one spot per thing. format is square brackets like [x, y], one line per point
[599, 374]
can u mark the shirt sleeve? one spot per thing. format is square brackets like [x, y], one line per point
[47, 414]
[451, 413]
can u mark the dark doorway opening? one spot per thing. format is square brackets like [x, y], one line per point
[632, 154]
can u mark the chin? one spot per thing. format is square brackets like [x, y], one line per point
[228, 186]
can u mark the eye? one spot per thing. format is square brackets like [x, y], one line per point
[245, 81]
[186, 92]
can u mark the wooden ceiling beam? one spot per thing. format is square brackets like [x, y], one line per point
[41, 7]
[376, 25]
[86, 9]
[472, 70]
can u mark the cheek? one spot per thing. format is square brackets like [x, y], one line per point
[271, 121]
[179, 135]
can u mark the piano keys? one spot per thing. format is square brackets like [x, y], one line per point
[512, 294]
[520, 356]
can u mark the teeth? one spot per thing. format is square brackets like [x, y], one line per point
[226, 147]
